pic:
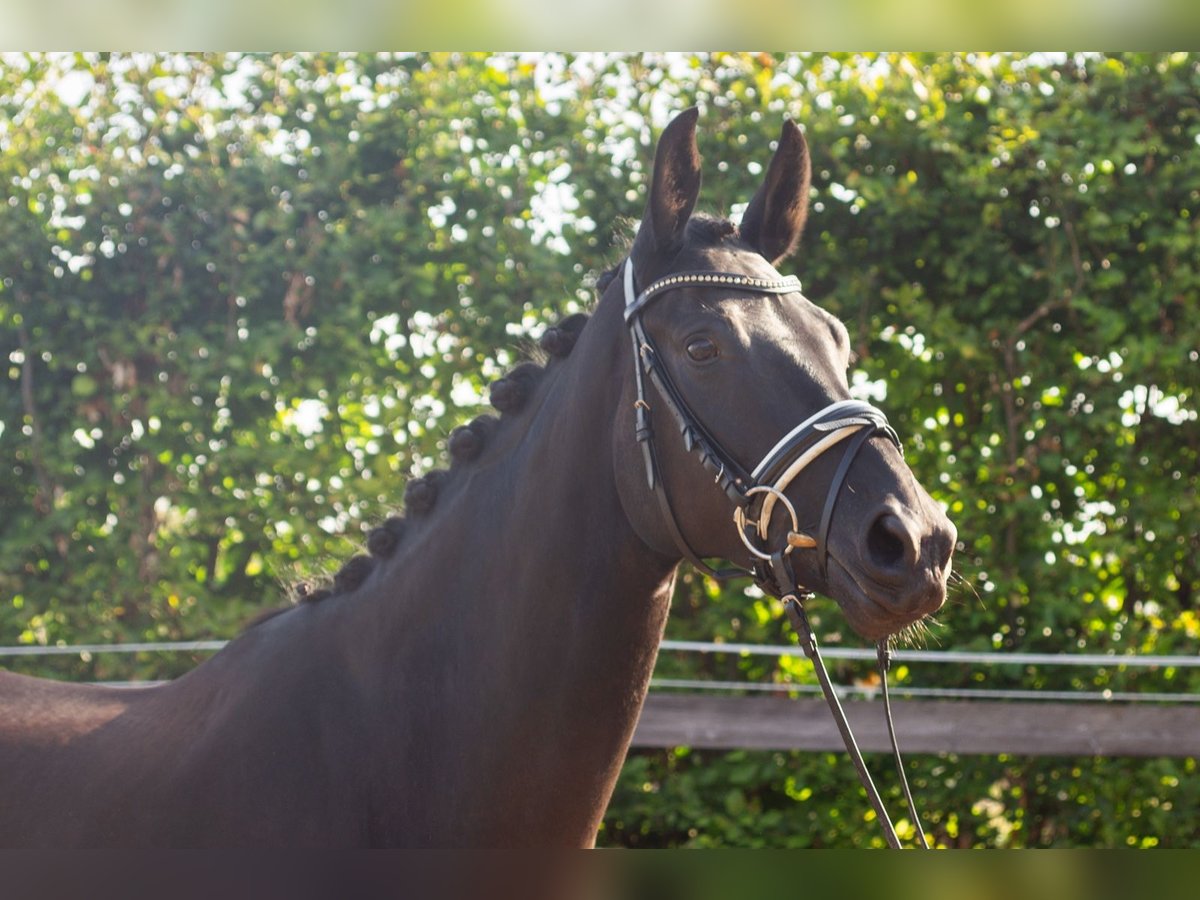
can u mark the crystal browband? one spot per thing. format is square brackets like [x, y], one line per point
[785, 285]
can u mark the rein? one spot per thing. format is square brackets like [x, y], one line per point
[757, 492]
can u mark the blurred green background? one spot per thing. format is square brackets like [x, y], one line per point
[243, 297]
[592, 24]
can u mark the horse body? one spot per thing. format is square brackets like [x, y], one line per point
[480, 697]
[477, 682]
[218, 756]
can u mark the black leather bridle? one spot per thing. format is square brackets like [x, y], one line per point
[757, 491]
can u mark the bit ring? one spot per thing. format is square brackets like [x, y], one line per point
[739, 518]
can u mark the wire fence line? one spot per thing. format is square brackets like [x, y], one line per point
[989, 658]
[979, 657]
[870, 692]
[80, 649]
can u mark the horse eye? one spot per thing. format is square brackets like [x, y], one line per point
[702, 349]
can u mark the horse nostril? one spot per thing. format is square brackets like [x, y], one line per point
[889, 542]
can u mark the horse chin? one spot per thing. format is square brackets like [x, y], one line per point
[866, 608]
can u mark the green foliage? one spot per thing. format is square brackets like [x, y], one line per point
[244, 297]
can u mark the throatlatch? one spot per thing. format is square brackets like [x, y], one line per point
[756, 492]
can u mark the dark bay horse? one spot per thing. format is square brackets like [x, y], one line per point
[475, 679]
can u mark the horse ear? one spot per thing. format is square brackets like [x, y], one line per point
[674, 187]
[775, 217]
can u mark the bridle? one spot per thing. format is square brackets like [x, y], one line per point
[758, 491]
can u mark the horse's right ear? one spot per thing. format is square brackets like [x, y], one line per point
[674, 187]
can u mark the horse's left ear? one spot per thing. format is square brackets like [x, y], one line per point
[775, 217]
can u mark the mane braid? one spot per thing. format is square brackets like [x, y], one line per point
[559, 340]
[605, 278]
[711, 229]
[466, 442]
[421, 493]
[509, 394]
[382, 541]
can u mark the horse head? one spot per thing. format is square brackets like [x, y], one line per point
[737, 436]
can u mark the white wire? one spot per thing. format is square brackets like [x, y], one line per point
[146, 647]
[945, 656]
[869, 693]
[925, 656]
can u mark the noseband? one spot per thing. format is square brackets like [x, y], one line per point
[756, 492]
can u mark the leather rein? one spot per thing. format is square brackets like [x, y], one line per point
[757, 492]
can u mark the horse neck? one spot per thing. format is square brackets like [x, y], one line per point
[525, 607]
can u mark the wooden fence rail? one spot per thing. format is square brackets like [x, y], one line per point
[922, 726]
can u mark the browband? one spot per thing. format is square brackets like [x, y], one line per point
[634, 304]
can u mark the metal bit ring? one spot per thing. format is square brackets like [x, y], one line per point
[739, 519]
